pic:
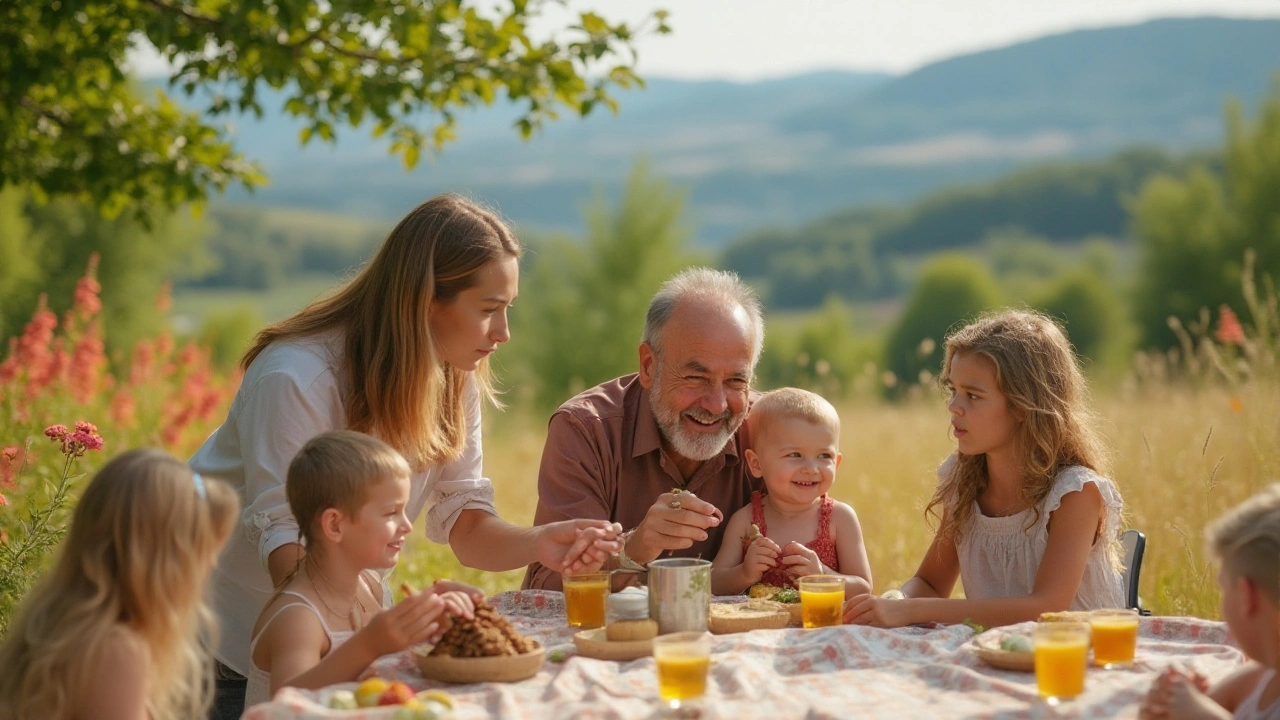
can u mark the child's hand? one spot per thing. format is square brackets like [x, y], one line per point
[417, 619]
[458, 604]
[761, 556]
[800, 560]
[1179, 693]
[874, 611]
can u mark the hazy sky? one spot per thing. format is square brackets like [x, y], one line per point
[752, 39]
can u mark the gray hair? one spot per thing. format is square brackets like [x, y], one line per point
[719, 287]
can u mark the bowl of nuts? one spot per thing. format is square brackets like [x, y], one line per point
[486, 649]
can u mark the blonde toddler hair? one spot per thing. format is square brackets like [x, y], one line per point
[143, 539]
[1247, 541]
[790, 404]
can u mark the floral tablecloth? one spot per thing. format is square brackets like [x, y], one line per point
[840, 672]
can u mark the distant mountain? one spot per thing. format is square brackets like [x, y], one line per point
[781, 152]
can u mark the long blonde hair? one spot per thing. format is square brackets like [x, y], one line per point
[395, 385]
[1040, 376]
[141, 544]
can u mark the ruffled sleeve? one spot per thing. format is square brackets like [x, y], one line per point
[1073, 479]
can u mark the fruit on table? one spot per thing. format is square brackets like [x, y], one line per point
[417, 709]
[343, 700]
[370, 691]
[1015, 643]
[396, 694]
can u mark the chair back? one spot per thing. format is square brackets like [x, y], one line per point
[1134, 544]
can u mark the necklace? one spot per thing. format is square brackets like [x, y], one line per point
[352, 618]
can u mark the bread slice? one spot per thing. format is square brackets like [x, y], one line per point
[1065, 616]
[751, 615]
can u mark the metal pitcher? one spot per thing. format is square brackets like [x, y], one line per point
[680, 594]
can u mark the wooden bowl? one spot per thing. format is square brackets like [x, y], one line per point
[989, 651]
[498, 668]
[595, 644]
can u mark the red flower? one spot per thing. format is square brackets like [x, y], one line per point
[56, 432]
[1230, 331]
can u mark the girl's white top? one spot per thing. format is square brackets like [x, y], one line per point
[289, 394]
[1249, 709]
[258, 689]
[1000, 556]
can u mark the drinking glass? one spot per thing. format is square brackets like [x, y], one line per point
[1061, 654]
[1115, 637]
[584, 599]
[683, 659]
[821, 600]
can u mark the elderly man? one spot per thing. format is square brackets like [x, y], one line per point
[660, 451]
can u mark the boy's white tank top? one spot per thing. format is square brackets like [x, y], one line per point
[259, 687]
[1249, 709]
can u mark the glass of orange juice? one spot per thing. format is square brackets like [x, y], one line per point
[1061, 654]
[683, 659]
[584, 599]
[1115, 637]
[821, 600]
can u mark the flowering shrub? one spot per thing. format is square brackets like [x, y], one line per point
[159, 393]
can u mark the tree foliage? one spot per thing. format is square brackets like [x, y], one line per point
[586, 299]
[952, 289]
[1195, 228]
[73, 124]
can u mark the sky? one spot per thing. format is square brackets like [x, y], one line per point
[747, 40]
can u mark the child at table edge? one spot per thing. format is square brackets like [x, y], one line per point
[1028, 520]
[326, 622]
[802, 531]
[1246, 543]
[114, 628]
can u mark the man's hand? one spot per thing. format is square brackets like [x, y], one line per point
[800, 560]
[576, 546]
[675, 521]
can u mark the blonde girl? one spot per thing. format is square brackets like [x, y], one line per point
[401, 353]
[325, 624]
[113, 631]
[1028, 519]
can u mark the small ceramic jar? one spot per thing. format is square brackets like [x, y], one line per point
[627, 616]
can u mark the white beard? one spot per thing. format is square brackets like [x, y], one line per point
[694, 446]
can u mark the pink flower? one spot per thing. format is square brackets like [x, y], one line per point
[1230, 331]
[9, 454]
[3, 500]
[56, 432]
[83, 426]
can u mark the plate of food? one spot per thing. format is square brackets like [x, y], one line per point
[596, 644]
[1006, 650]
[754, 614]
[788, 597]
[486, 649]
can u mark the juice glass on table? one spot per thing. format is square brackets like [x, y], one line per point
[584, 599]
[1061, 654]
[1115, 637]
[821, 600]
[683, 659]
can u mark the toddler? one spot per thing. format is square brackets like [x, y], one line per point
[795, 528]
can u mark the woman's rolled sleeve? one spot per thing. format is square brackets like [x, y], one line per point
[284, 416]
[461, 484]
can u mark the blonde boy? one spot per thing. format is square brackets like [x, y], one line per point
[1246, 543]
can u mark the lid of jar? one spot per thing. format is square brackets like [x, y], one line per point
[629, 604]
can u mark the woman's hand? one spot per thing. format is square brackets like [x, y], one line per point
[800, 560]
[762, 556]
[577, 546]
[416, 619]
[875, 611]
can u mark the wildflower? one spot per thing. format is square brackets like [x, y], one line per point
[9, 464]
[56, 432]
[1230, 331]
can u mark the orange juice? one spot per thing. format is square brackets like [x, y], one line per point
[1060, 658]
[682, 677]
[821, 609]
[1115, 638]
[584, 599]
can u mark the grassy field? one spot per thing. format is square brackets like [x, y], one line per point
[1182, 457]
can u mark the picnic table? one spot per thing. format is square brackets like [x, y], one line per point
[840, 672]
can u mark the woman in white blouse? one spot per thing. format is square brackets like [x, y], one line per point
[401, 352]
